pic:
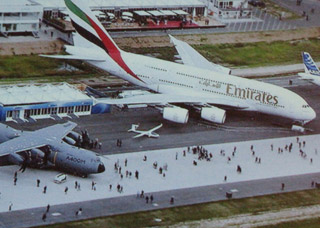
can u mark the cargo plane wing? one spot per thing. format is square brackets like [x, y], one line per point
[45, 148]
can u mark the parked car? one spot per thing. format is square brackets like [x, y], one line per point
[257, 3]
[60, 178]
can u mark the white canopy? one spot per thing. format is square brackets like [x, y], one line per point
[180, 12]
[142, 13]
[168, 12]
[65, 12]
[110, 15]
[156, 13]
[128, 14]
[98, 13]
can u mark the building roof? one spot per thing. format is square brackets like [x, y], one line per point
[40, 93]
[126, 4]
[15, 3]
[19, 6]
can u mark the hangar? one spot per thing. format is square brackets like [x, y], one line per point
[29, 102]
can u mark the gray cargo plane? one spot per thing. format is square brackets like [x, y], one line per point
[47, 148]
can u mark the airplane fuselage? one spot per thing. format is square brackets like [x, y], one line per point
[176, 79]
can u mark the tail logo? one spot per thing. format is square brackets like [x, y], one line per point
[310, 65]
[103, 41]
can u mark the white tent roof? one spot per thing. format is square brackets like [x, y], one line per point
[39, 93]
[168, 12]
[98, 13]
[142, 13]
[127, 14]
[65, 12]
[156, 13]
[180, 12]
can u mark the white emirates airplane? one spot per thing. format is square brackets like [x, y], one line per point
[206, 87]
[311, 71]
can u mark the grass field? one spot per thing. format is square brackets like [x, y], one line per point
[33, 66]
[213, 210]
[247, 55]
[309, 223]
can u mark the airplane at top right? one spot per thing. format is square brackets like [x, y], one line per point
[311, 71]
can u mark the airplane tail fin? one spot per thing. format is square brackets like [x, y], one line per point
[89, 27]
[133, 127]
[309, 65]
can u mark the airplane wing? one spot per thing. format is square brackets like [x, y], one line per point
[190, 56]
[156, 128]
[80, 53]
[163, 99]
[36, 139]
[75, 57]
[139, 135]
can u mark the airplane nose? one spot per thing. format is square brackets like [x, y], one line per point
[313, 115]
[101, 168]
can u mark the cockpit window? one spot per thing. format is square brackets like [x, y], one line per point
[305, 106]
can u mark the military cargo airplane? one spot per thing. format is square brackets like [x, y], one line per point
[206, 87]
[311, 71]
[49, 147]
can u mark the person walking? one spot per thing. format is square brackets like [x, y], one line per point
[44, 217]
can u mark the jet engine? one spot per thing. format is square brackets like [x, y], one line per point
[176, 114]
[37, 153]
[213, 114]
[69, 140]
[74, 135]
[16, 159]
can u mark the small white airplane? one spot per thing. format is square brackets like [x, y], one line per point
[198, 83]
[150, 133]
[311, 71]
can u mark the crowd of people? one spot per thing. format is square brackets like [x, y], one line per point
[199, 155]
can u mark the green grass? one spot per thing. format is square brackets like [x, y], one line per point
[213, 210]
[247, 54]
[261, 53]
[308, 223]
[166, 53]
[35, 66]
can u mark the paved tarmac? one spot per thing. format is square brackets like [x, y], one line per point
[239, 127]
[130, 204]
[269, 70]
